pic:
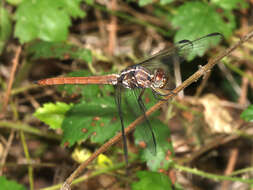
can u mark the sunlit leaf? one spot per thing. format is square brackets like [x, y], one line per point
[144, 2]
[53, 114]
[14, 2]
[73, 8]
[164, 2]
[104, 161]
[80, 154]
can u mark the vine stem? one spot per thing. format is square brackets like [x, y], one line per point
[210, 175]
[193, 78]
[27, 155]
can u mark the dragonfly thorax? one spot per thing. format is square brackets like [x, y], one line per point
[135, 77]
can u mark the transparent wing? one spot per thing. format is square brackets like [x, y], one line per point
[181, 51]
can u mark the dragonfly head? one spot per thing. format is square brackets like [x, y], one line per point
[159, 79]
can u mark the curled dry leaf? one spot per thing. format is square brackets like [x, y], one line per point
[217, 117]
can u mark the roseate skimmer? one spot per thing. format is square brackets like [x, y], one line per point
[151, 73]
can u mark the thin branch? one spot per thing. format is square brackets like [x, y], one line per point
[29, 129]
[203, 70]
[12, 75]
[28, 158]
[233, 157]
[6, 150]
[112, 28]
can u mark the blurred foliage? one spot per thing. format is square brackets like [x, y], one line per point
[152, 180]
[6, 184]
[50, 20]
[247, 114]
[231, 4]
[192, 16]
[59, 50]
[46, 20]
[5, 27]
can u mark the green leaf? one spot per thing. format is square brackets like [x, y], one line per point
[53, 114]
[73, 8]
[144, 2]
[163, 14]
[95, 119]
[89, 2]
[14, 2]
[60, 50]
[5, 27]
[97, 116]
[152, 181]
[196, 19]
[10, 185]
[131, 100]
[247, 114]
[165, 2]
[231, 4]
[164, 149]
[47, 20]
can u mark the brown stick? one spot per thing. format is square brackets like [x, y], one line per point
[13, 70]
[6, 151]
[132, 126]
[112, 43]
[230, 167]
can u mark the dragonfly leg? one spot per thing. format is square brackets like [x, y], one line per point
[118, 93]
[156, 94]
[152, 141]
[170, 93]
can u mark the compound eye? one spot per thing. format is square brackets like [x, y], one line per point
[159, 75]
[159, 79]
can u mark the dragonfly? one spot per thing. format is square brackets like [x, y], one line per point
[153, 73]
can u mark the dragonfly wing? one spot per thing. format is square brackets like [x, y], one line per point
[146, 131]
[118, 95]
[198, 46]
[184, 49]
[181, 50]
